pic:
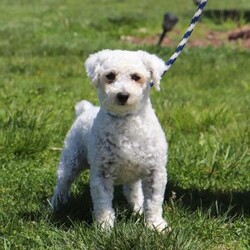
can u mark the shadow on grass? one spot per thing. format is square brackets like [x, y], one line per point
[79, 208]
[232, 203]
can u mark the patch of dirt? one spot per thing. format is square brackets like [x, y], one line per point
[240, 37]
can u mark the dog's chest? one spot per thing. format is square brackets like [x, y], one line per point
[127, 155]
[128, 149]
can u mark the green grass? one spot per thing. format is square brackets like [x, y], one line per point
[203, 107]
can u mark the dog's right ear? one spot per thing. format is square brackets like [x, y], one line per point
[92, 68]
[93, 65]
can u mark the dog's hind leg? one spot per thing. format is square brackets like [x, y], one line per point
[74, 154]
[134, 195]
[73, 162]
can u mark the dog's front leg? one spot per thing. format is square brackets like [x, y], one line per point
[101, 187]
[153, 189]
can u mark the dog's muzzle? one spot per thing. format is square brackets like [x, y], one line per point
[122, 98]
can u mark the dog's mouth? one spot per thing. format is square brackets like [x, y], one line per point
[120, 107]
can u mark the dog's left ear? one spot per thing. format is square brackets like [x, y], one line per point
[155, 65]
[93, 65]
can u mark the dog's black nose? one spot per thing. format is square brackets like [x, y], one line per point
[122, 97]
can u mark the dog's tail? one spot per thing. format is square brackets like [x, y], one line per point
[82, 106]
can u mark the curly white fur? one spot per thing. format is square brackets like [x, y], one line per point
[122, 140]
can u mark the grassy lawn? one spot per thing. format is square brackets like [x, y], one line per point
[203, 106]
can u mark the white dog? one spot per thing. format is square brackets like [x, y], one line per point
[121, 141]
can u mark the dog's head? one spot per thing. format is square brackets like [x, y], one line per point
[123, 78]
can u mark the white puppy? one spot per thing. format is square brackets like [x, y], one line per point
[121, 141]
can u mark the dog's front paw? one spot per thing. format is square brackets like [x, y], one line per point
[160, 226]
[105, 220]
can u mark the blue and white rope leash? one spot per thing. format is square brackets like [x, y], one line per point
[186, 36]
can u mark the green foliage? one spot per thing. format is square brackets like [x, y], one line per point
[203, 107]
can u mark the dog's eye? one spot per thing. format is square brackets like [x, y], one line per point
[111, 76]
[135, 77]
